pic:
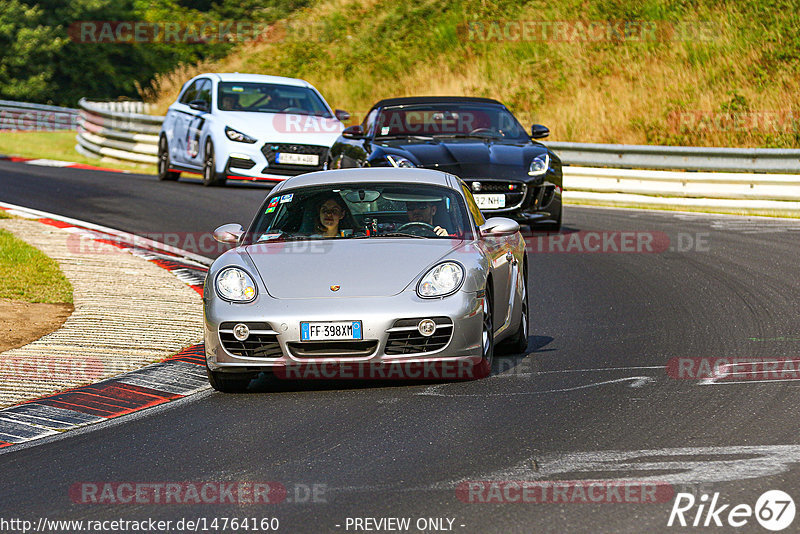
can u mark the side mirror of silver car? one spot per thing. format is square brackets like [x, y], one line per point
[499, 226]
[229, 233]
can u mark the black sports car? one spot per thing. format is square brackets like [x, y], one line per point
[477, 139]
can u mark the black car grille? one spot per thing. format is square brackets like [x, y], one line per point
[262, 342]
[332, 349]
[404, 338]
[514, 197]
[271, 149]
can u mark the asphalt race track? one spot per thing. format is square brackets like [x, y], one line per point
[592, 399]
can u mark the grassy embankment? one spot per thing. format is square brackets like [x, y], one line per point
[704, 73]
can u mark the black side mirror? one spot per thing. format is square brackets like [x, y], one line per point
[538, 131]
[199, 105]
[353, 132]
[342, 115]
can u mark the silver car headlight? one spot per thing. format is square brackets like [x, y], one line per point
[442, 280]
[539, 165]
[235, 285]
[236, 135]
[399, 161]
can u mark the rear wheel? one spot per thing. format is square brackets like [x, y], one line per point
[229, 382]
[164, 174]
[211, 177]
[484, 367]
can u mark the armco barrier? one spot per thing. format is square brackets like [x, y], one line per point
[22, 116]
[118, 130]
[680, 157]
[593, 173]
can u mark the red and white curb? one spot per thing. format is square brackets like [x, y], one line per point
[174, 378]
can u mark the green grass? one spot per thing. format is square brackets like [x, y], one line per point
[27, 274]
[59, 146]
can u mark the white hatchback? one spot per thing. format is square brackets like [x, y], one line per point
[247, 127]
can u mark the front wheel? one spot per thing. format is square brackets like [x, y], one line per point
[211, 177]
[518, 343]
[484, 367]
[164, 174]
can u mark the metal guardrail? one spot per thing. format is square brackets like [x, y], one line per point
[22, 116]
[118, 130]
[767, 160]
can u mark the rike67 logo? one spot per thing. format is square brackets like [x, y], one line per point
[774, 510]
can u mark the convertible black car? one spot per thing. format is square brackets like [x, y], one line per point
[477, 139]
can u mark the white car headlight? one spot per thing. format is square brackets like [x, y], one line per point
[399, 161]
[539, 165]
[444, 279]
[235, 285]
[236, 135]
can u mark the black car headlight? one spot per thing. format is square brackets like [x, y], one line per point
[399, 161]
[236, 135]
[234, 284]
[539, 165]
[442, 280]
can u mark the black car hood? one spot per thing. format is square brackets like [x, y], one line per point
[467, 157]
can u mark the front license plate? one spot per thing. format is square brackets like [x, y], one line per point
[287, 158]
[488, 202]
[326, 331]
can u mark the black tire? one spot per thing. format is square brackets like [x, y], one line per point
[164, 174]
[229, 382]
[556, 226]
[518, 342]
[211, 177]
[484, 367]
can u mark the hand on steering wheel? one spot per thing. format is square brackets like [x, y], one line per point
[424, 229]
[477, 131]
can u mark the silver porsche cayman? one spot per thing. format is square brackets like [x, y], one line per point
[365, 273]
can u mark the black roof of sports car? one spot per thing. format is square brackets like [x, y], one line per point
[410, 100]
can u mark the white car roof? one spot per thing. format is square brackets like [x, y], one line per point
[258, 78]
[367, 174]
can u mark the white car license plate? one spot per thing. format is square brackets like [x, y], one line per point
[287, 158]
[490, 201]
[325, 331]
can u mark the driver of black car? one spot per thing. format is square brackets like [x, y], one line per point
[423, 212]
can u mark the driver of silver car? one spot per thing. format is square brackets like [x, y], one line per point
[423, 212]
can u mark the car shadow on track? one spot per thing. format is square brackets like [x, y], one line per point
[506, 363]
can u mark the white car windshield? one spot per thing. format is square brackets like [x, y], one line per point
[364, 210]
[270, 98]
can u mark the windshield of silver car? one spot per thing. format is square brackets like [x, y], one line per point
[364, 210]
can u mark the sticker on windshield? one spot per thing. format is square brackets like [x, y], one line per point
[238, 89]
[270, 209]
[287, 198]
[274, 202]
[385, 130]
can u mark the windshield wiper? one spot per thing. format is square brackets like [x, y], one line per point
[403, 136]
[401, 234]
[469, 136]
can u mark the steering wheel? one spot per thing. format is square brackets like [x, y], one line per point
[418, 228]
[477, 131]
